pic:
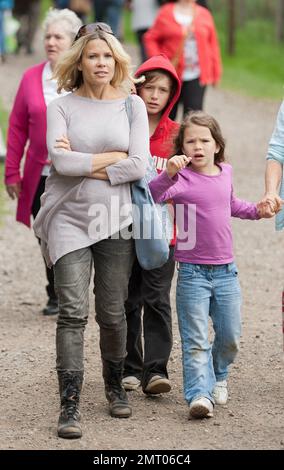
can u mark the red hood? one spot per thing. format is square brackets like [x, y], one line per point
[161, 62]
[161, 142]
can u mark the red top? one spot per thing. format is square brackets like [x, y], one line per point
[166, 35]
[161, 142]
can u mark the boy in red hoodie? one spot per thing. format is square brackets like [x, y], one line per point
[151, 289]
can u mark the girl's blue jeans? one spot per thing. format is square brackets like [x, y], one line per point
[205, 291]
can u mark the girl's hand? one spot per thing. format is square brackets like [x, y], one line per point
[177, 163]
[63, 143]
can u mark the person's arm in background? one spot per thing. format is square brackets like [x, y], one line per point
[273, 176]
[71, 163]
[18, 132]
[275, 161]
[248, 210]
[215, 52]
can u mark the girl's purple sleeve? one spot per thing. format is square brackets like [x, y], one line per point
[163, 187]
[243, 209]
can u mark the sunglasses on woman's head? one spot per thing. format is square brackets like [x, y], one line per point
[92, 28]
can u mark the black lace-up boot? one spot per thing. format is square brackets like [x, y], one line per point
[70, 384]
[115, 393]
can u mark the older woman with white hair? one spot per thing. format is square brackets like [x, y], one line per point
[27, 125]
[97, 148]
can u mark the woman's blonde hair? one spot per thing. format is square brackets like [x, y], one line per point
[70, 78]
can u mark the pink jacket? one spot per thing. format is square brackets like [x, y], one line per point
[27, 123]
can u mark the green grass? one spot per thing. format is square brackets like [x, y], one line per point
[45, 4]
[3, 120]
[257, 68]
[129, 35]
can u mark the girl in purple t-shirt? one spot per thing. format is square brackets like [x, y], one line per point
[200, 185]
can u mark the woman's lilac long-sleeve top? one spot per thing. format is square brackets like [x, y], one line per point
[203, 207]
[76, 209]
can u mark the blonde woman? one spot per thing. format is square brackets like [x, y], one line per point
[86, 216]
[27, 129]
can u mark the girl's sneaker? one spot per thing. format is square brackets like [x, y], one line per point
[201, 407]
[220, 393]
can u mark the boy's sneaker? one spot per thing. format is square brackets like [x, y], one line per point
[157, 384]
[201, 407]
[130, 383]
[220, 393]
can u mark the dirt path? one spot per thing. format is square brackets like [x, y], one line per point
[254, 416]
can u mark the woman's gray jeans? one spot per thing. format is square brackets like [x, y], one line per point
[113, 260]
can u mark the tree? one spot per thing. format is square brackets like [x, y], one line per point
[231, 37]
[279, 20]
[242, 13]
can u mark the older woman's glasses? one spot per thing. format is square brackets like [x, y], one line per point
[92, 28]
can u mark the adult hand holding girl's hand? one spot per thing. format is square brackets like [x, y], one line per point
[264, 210]
[267, 208]
[269, 205]
[274, 200]
[177, 163]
